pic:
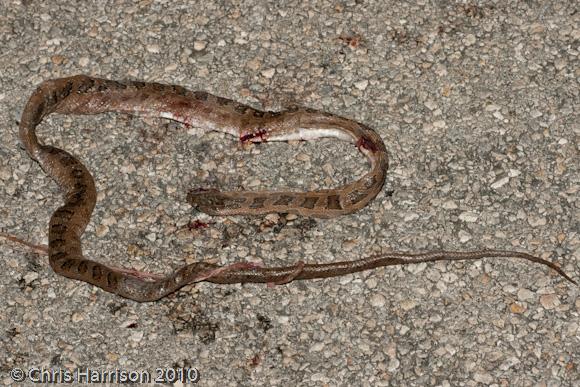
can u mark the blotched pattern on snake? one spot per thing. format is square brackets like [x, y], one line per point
[87, 95]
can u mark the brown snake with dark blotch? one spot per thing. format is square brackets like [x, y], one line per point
[87, 95]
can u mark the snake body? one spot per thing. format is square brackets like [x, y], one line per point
[88, 95]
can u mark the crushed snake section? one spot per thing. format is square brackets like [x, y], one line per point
[84, 95]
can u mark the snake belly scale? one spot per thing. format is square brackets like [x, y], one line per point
[84, 95]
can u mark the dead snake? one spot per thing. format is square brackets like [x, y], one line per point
[87, 95]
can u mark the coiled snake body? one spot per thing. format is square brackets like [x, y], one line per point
[87, 95]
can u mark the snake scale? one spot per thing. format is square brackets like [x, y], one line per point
[87, 95]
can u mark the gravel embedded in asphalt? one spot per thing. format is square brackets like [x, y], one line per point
[477, 103]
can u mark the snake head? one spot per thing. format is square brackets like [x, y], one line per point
[212, 201]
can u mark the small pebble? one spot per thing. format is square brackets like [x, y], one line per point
[362, 85]
[549, 301]
[269, 73]
[153, 48]
[199, 45]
